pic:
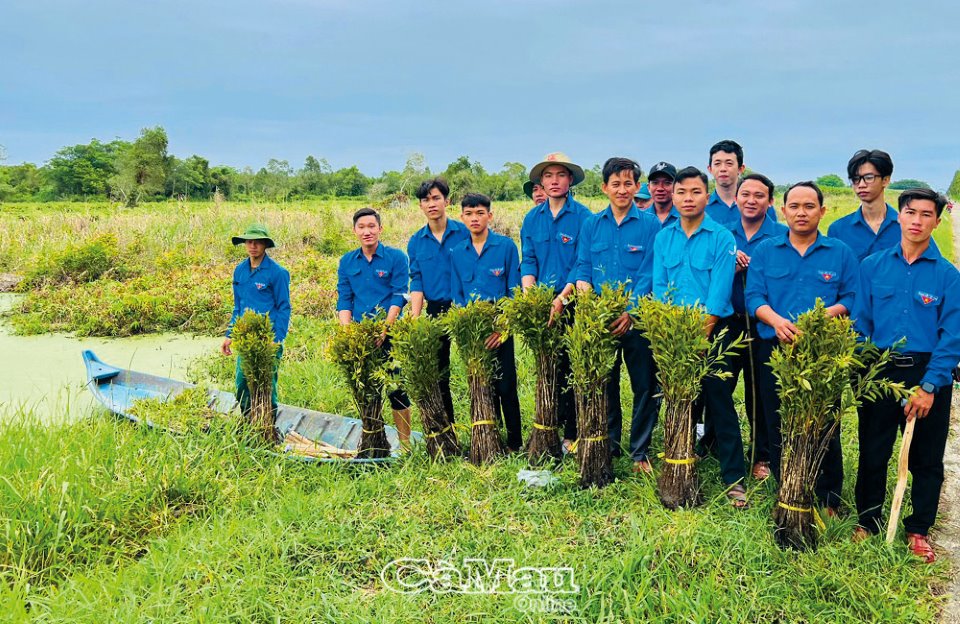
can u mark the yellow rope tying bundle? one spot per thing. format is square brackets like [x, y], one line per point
[374, 431]
[482, 422]
[677, 462]
[573, 447]
[537, 425]
[439, 433]
[816, 515]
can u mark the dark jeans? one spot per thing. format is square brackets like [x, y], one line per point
[717, 397]
[505, 388]
[830, 479]
[398, 398]
[741, 361]
[436, 308]
[635, 352]
[879, 421]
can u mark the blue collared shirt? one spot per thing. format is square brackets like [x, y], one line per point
[549, 245]
[720, 212]
[698, 269]
[768, 229]
[672, 216]
[430, 260]
[367, 287]
[265, 290]
[612, 253]
[855, 232]
[492, 274]
[919, 302]
[790, 283]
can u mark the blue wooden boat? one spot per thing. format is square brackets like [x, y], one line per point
[117, 389]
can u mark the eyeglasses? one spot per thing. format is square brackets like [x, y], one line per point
[869, 178]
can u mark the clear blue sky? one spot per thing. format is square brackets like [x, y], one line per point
[802, 85]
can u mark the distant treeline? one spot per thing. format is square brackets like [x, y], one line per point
[142, 170]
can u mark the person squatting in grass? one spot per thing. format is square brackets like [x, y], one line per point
[694, 263]
[725, 164]
[370, 280]
[787, 275]
[549, 238]
[616, 247]
[262, 285]
[909, 292]
[487, 267]
[429, 253]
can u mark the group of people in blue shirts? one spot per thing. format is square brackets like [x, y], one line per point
[725, 251]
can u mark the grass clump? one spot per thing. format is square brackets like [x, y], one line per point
[89, 261]
[253, 340]
[189, 411]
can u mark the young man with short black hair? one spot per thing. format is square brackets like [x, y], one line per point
[660, 182]
[549, 238]
[616, 247]
[787, 275]
[725, 163]
[873, 226]
[694, 262]
[370, 280]
[429, 253]
[909, 293]
[486, 267]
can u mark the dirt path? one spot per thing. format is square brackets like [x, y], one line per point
[947, 536]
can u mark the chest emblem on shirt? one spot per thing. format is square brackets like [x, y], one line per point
[382, 273]
[927, 298]
[827, 276]
[633, 248]
[565, 238]
[496, 272]
[260, 285]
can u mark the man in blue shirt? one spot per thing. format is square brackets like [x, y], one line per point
[549, 238]
[909, 292]
[371, 280]
[486, 267]
[535, 191]
[616, 247]
[642, 199]
[726, 165]
[873, 226]
[787, 274]
[660, 183]
[694, 262]
[429, 253]
[261, 285]
[753, 226]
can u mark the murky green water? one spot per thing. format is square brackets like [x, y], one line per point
[45, 374]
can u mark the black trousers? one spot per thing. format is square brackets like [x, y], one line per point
[717, 398]
[505, 388]
[830, 479]
[566, 404]
[744, 361]
[635, 352]
[436, 308]
[399, 400]
[879, 421]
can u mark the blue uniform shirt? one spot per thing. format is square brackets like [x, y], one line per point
[430, 260]
[855, 232]
[612, 253]
[672, 216]
[365, 287]
[698, 269]
[790, 283]
[265, 290]
[919, 302]
[549, 245]
[491, 275]
[768, 229]
[720, 212]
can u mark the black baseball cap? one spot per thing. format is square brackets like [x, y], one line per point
[663, 168]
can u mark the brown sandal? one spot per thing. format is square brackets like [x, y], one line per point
[738, 496]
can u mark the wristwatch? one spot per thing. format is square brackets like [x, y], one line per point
[928, 387]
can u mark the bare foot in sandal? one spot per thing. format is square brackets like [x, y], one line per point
[738, 496]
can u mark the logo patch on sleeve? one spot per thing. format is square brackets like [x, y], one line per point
[497, 272]
[927, 298]
[827, 276]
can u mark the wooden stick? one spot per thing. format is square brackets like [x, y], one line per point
[902, 466]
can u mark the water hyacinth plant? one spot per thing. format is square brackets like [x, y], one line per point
[363, 364]
[469, 326]
[526, 315]
[812, 374]
[416, 348]
[253, 341]
[593, 350]
[684, 356]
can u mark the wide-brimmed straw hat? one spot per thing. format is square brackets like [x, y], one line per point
[255, 232]
[557, 158]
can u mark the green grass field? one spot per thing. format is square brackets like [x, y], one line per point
[101, 521]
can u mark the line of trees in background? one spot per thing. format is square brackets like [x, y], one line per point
[143, 170]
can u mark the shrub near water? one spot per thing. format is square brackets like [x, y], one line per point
[78, 263]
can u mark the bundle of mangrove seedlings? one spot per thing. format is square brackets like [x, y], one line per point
[593, 350]
[253, 340]
[526, 315]
[416, 349]
[470, 326]
[364, 365]
[812, 373]
[684, 356]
